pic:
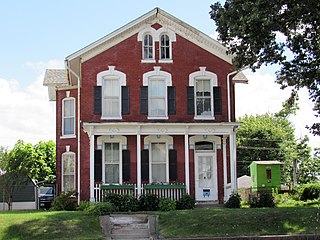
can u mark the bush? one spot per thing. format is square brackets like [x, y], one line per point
[65, 201]
[148, 202]
[166, 204]
[234, 201]
[262, 199]
[186, 202]
[122, 203]
[310, 191]
[83, 205]
[100, 208]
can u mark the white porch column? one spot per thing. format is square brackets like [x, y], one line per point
[139, 163]
[225, 170]
[233, 162]
[92, 198]
[186, 162]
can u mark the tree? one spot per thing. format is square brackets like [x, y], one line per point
[38, 161]
[266, 137]
[26, 161]
[250, 29]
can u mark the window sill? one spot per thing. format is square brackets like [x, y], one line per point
[111, 118]
[204, 118]
[68, 136]
[148, 61]
[157, 118]
[165, 61]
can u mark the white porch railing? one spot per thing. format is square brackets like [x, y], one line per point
[172, 191]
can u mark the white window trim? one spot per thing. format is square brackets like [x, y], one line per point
[165, 60]
[113, 74]
[158, 74]
[168, 141]
[122, 141]
[74, 118]
[203, 75]
[144, 59]
[156, 36]
[62, 165]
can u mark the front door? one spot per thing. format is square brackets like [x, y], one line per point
[206, 188]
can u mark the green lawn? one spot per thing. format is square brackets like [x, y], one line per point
[239, 222]
[33, 225]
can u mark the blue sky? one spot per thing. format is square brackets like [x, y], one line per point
[36, 35]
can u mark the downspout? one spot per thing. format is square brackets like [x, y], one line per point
[79, 125]
[228, 89]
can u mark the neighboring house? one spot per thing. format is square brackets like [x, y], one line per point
[265, 175]
[151, 103]
[24, 196]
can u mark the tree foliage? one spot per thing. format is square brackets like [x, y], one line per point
[251, 30]
[266, 137]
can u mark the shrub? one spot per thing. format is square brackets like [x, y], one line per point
[186, 202]
[234, 201]
[100, 208]
[65, 201]
[83, 205]
[262, 199]
[148, 202]
[166, 204]
[122, 203]
[310, 191]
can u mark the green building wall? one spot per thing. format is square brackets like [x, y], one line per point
[259, 172]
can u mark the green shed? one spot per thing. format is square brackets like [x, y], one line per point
[265, 175]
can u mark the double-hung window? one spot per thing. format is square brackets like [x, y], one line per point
[68, 171]
[165, 47]
[157, 98]
[112, 163]
[111, 98]
[158, 162]
[68, 117]
[148, 47]
[203, 94]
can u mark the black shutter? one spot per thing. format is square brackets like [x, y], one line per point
[145, 165]
[171, 100]
[190, 100]
[125, 165]
[217, 100]
[125, 100]
[172, 165]
[98, 165]
[97, 100]
[144, 100]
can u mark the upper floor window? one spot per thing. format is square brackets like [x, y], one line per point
[68, 116]
[204, 95]
[157, 99]
[68, 171]
[164, 36]
[148, 47]
[111, 95]
[111, 98]
[157, 95]
[165, 48]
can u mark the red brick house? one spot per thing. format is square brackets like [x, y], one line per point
[150, 103]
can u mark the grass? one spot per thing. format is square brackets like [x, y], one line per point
[216, 222]
[20, 225]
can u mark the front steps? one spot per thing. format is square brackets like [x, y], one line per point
[125, 226]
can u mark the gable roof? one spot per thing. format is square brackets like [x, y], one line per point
[156, 15]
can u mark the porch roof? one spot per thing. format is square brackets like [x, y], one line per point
[134, 128]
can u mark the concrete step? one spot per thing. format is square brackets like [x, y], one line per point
[133, 232]
[133, 226]
[130, 236]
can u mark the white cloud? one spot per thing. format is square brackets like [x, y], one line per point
[263, 95]
[27, 113]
